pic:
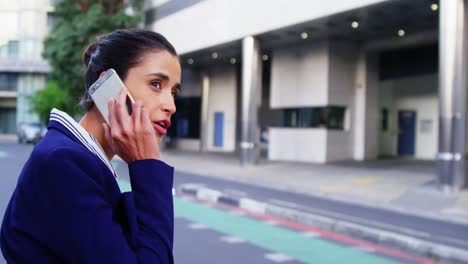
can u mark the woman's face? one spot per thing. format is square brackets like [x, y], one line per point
[155, 81]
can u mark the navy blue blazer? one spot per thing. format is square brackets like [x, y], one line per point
[68, 208]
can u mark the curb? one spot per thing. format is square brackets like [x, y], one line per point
[400, 241]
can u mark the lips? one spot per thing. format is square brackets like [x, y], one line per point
[162, 126]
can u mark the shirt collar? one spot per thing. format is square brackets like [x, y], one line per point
[83, 136]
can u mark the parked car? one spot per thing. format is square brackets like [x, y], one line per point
[31, 132]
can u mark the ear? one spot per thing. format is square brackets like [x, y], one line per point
[102, 73]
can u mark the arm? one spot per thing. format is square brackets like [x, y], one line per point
[83, 227]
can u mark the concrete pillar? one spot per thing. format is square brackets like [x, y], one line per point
[204, 112]
[250, 101]
[360, 109]
[452, 94]
[366, 108]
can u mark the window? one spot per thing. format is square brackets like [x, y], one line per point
[333, 117]
[8, 81]
[13, 48]
[330, 117]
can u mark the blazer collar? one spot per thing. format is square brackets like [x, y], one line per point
[68, 126]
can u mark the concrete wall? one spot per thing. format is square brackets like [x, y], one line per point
[426, 108]
[222, 98]
[318, 74]
[224, 24]
[417, 93]
[365, 109]
[341, 78]
[307, 145]
[372, 107]
[299, 76]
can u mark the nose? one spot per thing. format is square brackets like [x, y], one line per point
[167, 103]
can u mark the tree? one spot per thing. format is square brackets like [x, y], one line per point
[49, 97]
[78, 23]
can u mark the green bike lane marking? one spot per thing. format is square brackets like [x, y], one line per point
[272, 238]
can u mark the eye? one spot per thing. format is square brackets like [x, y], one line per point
[175, 92]
[156, 84]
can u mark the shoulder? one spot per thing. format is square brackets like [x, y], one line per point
[57, 155]
[57, 148]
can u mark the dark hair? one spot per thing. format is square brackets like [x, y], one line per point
[121, 50]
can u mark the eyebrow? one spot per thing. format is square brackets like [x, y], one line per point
[166, 78]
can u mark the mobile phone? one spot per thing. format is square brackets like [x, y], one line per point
[108, 86]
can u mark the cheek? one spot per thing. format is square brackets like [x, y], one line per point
[151, 102]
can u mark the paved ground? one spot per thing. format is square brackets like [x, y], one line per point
[400, 185]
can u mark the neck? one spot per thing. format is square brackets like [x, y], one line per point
[92, 122]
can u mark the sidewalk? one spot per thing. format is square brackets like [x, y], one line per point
[401, 185]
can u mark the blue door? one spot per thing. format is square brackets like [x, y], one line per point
[407, 132]
[218, 129]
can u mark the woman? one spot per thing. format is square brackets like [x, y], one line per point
[67, 206]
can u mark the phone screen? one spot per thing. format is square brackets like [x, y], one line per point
[108, 86]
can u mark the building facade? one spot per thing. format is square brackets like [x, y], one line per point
[317, 81]
[22, 69]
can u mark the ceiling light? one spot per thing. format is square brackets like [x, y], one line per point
[232, 60]
[434, 7]
[214, 55]
[304, 35]
[355, 24]
[401, 33]
[190, 61]
[265, 57]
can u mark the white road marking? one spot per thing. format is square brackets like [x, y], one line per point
[278, 257]
[232, 239]
[192, 185]
[197, 226]
[3, 154]
[311, 234]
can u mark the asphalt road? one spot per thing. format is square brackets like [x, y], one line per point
[452, 234]
[206, 233]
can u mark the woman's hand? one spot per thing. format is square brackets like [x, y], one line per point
[132, 137]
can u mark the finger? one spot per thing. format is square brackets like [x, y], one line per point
[112, 116]
[121, 106]
[136, 115]
[136, 118]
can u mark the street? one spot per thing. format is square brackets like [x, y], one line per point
[214, 233]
